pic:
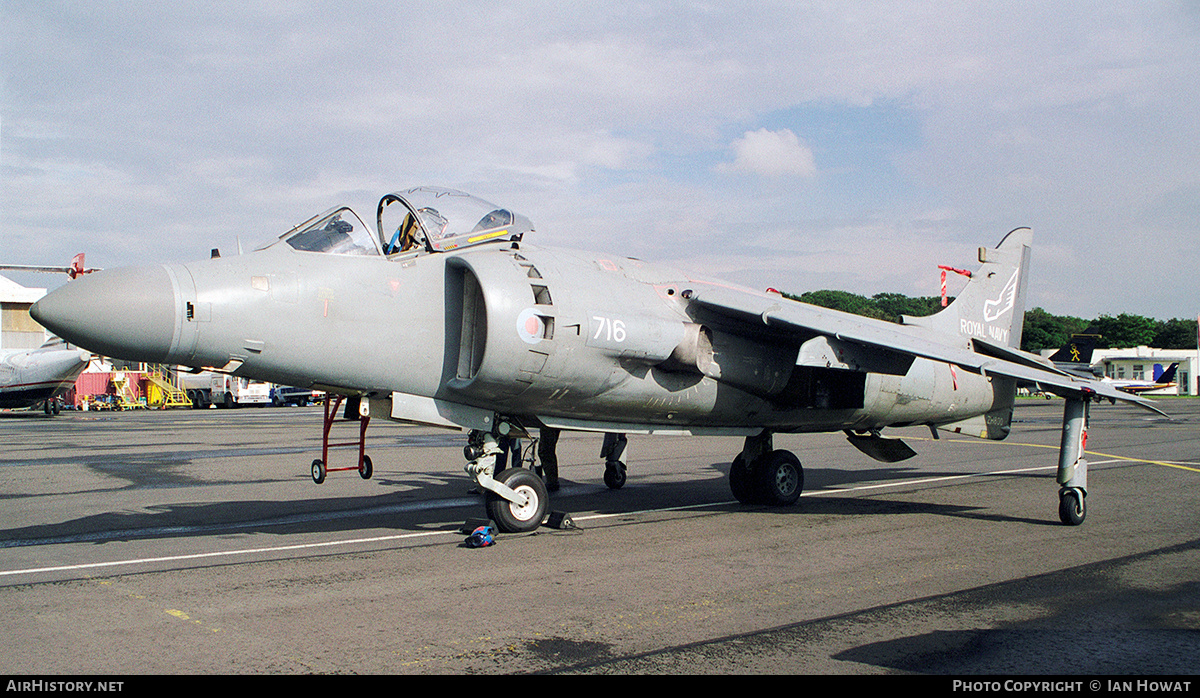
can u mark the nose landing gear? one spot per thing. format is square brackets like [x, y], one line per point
[516, 499]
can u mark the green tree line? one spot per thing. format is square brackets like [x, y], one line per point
[1042, 330]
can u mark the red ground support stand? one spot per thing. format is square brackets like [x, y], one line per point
[320, 466]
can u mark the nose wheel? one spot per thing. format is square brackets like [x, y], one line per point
[519, 517]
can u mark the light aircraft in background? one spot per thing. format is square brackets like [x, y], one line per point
[1135, 387]
[445, 314]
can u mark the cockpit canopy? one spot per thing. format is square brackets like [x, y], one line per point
[418, 220]
[440, 220]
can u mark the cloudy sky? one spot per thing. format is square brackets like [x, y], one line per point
[796, 145]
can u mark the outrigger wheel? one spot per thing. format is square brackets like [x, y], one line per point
[1071, 509]
[318, 471]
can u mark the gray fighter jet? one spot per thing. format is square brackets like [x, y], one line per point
[445, 315]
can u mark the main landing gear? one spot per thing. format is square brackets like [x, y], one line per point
[761, 474]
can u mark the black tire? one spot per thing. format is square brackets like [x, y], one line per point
[365, 470]
[228, 402]
[1071, 508]
[511, 518]
[614, 475]
[779, 478]
[318, 471]
[741, 482]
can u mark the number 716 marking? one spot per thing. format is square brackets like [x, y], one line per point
[608, 329]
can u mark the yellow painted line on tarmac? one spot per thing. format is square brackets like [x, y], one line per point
[1168, 464]
[1193, 467]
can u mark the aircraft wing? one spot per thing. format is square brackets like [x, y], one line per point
[801, 321]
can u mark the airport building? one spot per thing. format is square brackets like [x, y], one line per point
[1147, 364]
[17, 329]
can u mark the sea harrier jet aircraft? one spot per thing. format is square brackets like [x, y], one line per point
[445, 314]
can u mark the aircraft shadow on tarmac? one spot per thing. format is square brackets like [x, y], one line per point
[435, 501]
[1115, 627]
[1087, 619]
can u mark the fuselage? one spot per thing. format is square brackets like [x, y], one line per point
[520, 330]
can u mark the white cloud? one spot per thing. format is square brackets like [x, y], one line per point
[604, 124]
[772, 154]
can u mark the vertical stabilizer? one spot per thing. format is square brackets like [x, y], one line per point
[992, 306]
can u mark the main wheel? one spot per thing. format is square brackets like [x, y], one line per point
[365, 470]
[511, 517]
[741, 482]
[779, 478]
[1071, 510]
[614, 475]
[318, 471]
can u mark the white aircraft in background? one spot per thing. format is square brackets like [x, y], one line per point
[32, 377]
[38, 376]
[1135, 387]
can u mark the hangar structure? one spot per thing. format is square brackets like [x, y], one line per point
[18, 330]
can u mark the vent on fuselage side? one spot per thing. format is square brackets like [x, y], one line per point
[473, 335]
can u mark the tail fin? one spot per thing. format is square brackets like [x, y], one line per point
[992, 306]
[1078, 349]
[1168, 375]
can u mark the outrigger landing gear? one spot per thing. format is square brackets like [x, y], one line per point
[320, 466]
[1072, 466]
[516, 499]
[760, 474]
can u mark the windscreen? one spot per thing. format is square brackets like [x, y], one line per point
[339, 232]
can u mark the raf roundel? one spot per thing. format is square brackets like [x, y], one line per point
[530, 326]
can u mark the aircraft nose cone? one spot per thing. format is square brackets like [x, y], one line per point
[120, 313]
